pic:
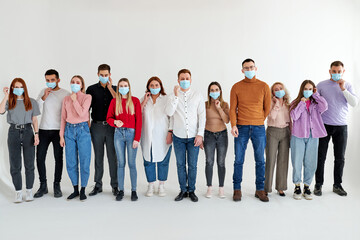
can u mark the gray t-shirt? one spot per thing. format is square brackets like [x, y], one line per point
[18, 115]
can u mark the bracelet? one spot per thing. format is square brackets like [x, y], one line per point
[36, 132]
[170, 131]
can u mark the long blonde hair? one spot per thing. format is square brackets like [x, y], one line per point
[129, 102]
[286, 97]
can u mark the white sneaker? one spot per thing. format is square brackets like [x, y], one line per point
[307, 193]
[150, 190]
[29, 195]
[209, 192]
[297, 192]
[18, 197]
[162, 192]
[221, 192]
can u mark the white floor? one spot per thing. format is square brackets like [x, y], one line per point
[101, 217]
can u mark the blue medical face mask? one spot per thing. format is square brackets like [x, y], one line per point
[336, 76]
[18, 91]
[155, 91]
[280, 93]
[75, 88]
[103, 80]
[51, 85]
[123, 90]
[307, 93]
[250, 74]
[214, 95]
[185, 84]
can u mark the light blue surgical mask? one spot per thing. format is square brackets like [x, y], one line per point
[280, 93]
[336, 76]
[214, 95]
[155, 91]
[123, 90]
[51, 85]
[185, 84]
[18, 91]
[75, 88]
[307, 93]
[250, 74]
[103, 80]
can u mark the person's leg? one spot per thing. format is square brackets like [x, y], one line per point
[258, 139]
[29, 156]
[192, 157]
[163, 167]
[84, 146]
[111, 155]
[272, 144]
[98, 140]
[119, 143]
[14, 147]
[282, 161]
[209, 147]
[180, 153]
[297, 156]
[221, 150]
[41, 151]
[58, 155]
[310, 159]
[130, 134]
[240, 144]
[71, 153]
[340, 141]
[322, 151]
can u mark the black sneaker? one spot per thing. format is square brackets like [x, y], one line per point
[42, 190]
[307, 193]
[297, 192]
[120, 195]
[82, 194]
[317, 190]
[134, 196]
[57, 190]
[115, 191]
[95, 191]
[338, 189]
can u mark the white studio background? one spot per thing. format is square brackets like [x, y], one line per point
[290, 41]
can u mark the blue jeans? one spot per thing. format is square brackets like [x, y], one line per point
[304, 151]
[185, 149]
[258, 139]
[123, 140]
[162, 168]
[78, 150]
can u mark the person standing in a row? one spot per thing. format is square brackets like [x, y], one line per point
[22, 117]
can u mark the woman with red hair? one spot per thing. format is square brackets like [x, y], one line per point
[22, 117]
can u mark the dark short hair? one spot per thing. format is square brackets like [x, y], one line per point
[51, 72]
[184, 71]
[247, 60]
[336, 64]
[104, 67]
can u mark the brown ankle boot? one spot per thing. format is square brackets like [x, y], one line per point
[262, 196]
[237, 195]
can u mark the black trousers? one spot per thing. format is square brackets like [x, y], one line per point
[339, 136]
[101, 135]
[21, 139]
[46, 137]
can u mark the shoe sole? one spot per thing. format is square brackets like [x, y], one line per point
[260, 198]
[297, 197]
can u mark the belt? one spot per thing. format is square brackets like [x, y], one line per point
[20, 126]
[102, 122]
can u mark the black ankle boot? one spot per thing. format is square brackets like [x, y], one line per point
[57, 190]
[75, 193]
[82, 194]
[42, 190]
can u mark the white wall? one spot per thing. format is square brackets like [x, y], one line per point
[289, 40]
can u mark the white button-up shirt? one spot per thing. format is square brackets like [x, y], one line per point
[188, 110]
[156, 125]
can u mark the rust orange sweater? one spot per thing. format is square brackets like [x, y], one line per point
[250, 101]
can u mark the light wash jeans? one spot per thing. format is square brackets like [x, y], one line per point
[304, 151]
[78, 151]
[123, 140]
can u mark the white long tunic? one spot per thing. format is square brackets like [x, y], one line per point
[156, 125]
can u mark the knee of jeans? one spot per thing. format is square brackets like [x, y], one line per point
[132, 164]
[209, 162]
